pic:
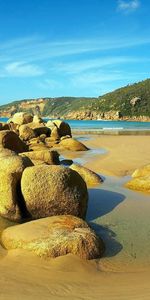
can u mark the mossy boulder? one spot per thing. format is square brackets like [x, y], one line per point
[90, 177]
[10, 140]
[72, 144]
[55, 236]
[53, 190]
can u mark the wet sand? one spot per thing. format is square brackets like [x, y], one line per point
[119, 215]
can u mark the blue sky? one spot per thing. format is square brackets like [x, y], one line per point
[72, 47]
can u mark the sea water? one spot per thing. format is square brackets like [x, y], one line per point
[104, 126]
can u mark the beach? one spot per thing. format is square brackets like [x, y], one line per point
[119, 215]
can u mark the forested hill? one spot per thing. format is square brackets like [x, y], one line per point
[130, 101]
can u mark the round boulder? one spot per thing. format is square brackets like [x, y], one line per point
[144, 171]
[54, 236]
[26, 133]
[72, 144]
[139, 184]
[63, 127]
[11, 203]
[90, 177]
[10, 140]
[22, 118]
[49, 157]
[53, 190]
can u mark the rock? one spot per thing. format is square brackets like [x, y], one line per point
[26, 133]
[55, 236]
[11, 202]
[37, 119]
[55, 134]
[72, 144]
[53, 190]
[144, 171]
[42, 137]
[1, 126]
[38, 147]
[4, 152]
[42, 130]
[134, 101]
[49, 157]
[10, 140]
[50, 125]
[21, 118]
[90, 177]
[63, 127]
[64, 137]
[140, 184]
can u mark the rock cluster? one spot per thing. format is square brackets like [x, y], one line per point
[34, 186]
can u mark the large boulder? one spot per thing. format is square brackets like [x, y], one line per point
[90, 177]
[26, 133]
[22, 118]
[11, 203]
[53, 190]
[10, 140]
[63, 127]
[139, 184]
[72, 144]
[49, 157]
[54, 236]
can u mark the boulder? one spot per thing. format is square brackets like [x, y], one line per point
[63, 127]
[4, 152]
[42, 130]
[90, 177]
[50, 125]
[49, 157]
[37, 119]
[21, 118]
[10, 140]
[26, 133]
[53, 190]
[72, 144]
[134, 101]
[144, 171]
[140, 184]
[55, 134]
[11, 203]
[55, 236]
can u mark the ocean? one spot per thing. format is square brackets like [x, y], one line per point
[99, 126]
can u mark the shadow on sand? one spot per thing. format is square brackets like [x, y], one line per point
[102, 202]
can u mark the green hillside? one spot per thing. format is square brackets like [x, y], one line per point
[120, 99]
[131, 100]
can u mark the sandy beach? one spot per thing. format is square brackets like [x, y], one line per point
[119, 215]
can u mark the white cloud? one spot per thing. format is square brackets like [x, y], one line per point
[29, 50]
[92, 64]
[128, 6]
[21, 69]
[49, 84]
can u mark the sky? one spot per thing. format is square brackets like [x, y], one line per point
[52, 48]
